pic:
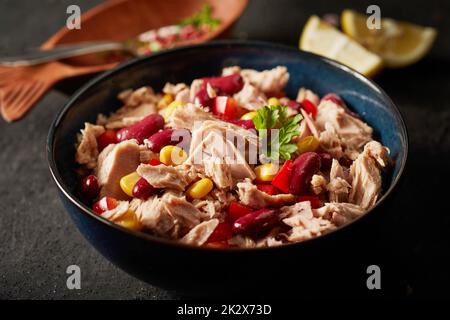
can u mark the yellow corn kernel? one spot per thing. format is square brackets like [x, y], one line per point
[129, 220]
[249, 115]
[308, 144]
[171, 109]
[172, 155]
[273, 101]
[127, 183]
[200, 188]
[266, 172]
[165, 101]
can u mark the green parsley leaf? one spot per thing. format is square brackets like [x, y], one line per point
[275, 117]
[202, 17]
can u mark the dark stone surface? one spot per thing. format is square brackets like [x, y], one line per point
[38, 241]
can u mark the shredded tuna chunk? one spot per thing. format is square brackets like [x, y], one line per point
[269, 241]
[268, 81]
[250, 97]
[338, 187]
[242, 242]
[310, 124]
[330, 142]
[318, 183]
[174, 89]
[303, 222]
[308, 95]
[228, 71]
[162, 176]
[183, 96]
[117, 212]
[153, 216]
[200, 233]
[114, 162]
[339, 213]
[170, 215]
[207, 208]
[196, 86]
[220, 160]
[87, 151]
[210, 91]
[366, 175]
[138, 104]
[352, 132]
[242, 138]
[214, 205]
[188, 115]
[251, 196]
[145, 154]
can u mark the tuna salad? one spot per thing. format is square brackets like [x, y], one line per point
[230, 161]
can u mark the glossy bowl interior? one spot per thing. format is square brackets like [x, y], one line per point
[150, 258]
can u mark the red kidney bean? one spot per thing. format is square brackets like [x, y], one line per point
[304, 167]
[142, 129]
[168, 137]
[90, 187]
[256, 222]
[226, 85]
[246, 124]
[346, 162]
[142, 189]
[106, 138]
[293, 104]
[202, 97]
[325, 161]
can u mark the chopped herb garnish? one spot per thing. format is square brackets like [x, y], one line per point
[202, 17]
[275, 117]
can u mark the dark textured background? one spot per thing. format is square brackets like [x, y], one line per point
[38, 240]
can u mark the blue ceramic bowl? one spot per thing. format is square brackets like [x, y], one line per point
[201, 270]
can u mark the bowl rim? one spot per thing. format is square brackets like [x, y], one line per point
[215, 44]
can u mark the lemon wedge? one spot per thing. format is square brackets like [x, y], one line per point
[322, 38]
[398, 43]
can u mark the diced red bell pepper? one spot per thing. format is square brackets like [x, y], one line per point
[154, 162]
[106, 138]
[309, 107]
[268, 188]
[104, 204]
[314, 200]
[237, 210]
[221, 233]
[283, 178]
[224, 107]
